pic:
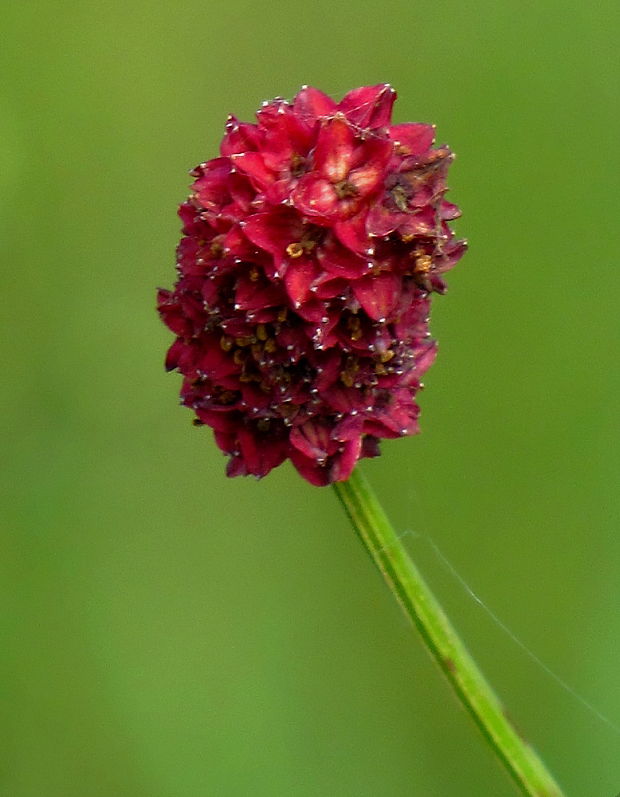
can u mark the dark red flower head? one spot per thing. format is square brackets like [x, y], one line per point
[310, 249]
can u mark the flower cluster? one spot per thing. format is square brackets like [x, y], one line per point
[311, 247]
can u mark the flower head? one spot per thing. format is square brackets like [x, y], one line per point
[310, 249]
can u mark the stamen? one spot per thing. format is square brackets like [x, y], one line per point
[294, 250]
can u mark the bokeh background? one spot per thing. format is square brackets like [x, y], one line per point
[171, 633]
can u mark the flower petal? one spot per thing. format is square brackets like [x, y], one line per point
[175, 354]
[452, 253]
[309, 469]
[258, 458]
[274, 231]
[342, 262]
[381, 221]
[353, 234]
[378, 294]
[422, 222]
[298, 279]
[449, 211]
[328, 370]
[240, 137]
[255, 294]
[424, 356]
[367, 177]
[310, 104]
[334, 149]
[344, 462]
[287, 137]
[211, 187]
[315, 197]
[313, 440]
[413, 139]
[253, 165]
[369, 106]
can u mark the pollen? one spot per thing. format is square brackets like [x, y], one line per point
[423, 264]
[271, 345]
[295, 250]
[345, 189]
[355, 327]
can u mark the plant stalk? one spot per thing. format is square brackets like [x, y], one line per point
[420, 605]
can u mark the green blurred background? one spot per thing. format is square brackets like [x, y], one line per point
[172, 633]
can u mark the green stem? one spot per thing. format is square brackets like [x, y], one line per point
[419, 603]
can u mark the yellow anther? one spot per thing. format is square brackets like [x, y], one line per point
[352, 366]
[345, 189]
[226, 343]
[294, 250]
[354, 325]
[297, 165]
[270, 345]
[423, 264]
[288, 410]
[399, 195]
[261, 332]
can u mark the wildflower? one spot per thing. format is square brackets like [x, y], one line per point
[310, 249]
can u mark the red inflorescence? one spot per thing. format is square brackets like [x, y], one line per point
[311, 247]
